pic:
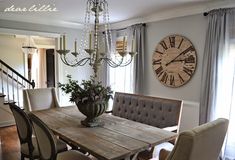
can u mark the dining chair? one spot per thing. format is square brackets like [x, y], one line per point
[201, 143]
[39, 99]
[47, 146]
[28, 143]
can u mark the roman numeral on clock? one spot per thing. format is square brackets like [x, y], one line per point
[172, 80]
[180, 43]
[172, 42]
[157, 61]
[159, 71]
[188, 71]
[181, 79]
[158, 52]
[164, 77]
[163, 44]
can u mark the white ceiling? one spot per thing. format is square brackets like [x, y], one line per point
[71, 12]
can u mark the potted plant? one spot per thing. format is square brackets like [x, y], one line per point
[90, 97]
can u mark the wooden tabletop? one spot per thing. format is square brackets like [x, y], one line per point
[117, 139]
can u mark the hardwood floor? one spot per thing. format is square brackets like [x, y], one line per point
[10, 146]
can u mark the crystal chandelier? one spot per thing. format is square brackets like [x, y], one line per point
[92, 38]
[29, 46]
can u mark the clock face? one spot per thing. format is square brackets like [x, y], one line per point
[174, 60]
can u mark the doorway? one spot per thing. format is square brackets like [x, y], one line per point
[50, 67]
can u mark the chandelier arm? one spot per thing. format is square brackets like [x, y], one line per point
[63, 60]
[127, 63]
[82, 62]
[112, 63]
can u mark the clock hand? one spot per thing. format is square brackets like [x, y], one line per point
[185, 51]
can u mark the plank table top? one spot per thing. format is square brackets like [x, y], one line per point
[117, 139]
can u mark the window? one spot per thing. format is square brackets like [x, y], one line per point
[121, 78]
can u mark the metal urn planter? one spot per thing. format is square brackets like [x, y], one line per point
[92, 110]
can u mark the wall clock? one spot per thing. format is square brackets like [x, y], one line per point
[174, 60]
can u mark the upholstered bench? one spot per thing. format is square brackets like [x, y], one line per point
[154, 111]
[158, 112]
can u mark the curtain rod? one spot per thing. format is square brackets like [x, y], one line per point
[205, 14]
[120, 29]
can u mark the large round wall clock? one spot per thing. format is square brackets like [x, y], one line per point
[174, 60]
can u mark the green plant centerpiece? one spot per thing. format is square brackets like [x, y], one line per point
[90, 97]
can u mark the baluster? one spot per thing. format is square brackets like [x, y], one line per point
[17, 88]
[8, 86]
[2, 78]
[13, 93]
[22, 84]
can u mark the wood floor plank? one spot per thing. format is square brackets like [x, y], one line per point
[10, 146]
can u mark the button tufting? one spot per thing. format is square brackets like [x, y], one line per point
[163, 118]
[138, 113]
[132, 111]
[154, 116]
[146, 115]
[130, 103]
[160, 108]
[123, 102]
[169, 110]
[152, 107]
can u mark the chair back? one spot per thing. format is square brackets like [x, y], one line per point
[45, 139]
[39, 99]
[23, 124]
[202, 143]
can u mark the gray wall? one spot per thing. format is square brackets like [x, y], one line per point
[194, 28]
[78, 73]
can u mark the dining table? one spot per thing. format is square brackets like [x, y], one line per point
[118, 138]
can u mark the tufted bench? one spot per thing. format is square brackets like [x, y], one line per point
[154, 111]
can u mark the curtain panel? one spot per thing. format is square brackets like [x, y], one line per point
[217, 89]
[133, 75]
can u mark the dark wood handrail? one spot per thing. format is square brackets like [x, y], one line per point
[18, 74]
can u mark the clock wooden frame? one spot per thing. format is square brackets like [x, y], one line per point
[174, 60]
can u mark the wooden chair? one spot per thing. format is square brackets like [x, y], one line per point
[39, 99]
[47, 144]
[202, 143]
[28, 142]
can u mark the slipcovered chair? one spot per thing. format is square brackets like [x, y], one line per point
[47, 146]
[201, 143]
[39, 99]
[28, 143]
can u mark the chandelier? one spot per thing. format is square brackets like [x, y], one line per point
[91, 50]
[29, 47]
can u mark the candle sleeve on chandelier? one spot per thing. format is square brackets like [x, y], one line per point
[75, 45]
[90, 38]
[60, 42]
[64, 42]
[123, 43]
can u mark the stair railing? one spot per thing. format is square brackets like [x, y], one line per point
[11, 82]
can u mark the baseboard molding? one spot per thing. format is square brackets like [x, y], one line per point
[7, 123]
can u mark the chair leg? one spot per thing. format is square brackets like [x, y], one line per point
[22, 157]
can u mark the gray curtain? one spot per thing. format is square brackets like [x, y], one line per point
[139, 36]
[217, 39]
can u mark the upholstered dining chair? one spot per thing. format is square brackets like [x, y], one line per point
[28, 143]
[39, 99]
[201, 143]
[47, 146]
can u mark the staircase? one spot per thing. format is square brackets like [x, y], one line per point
[11, 85]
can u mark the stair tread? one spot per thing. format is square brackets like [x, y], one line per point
[8, 102]
[2, 95]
